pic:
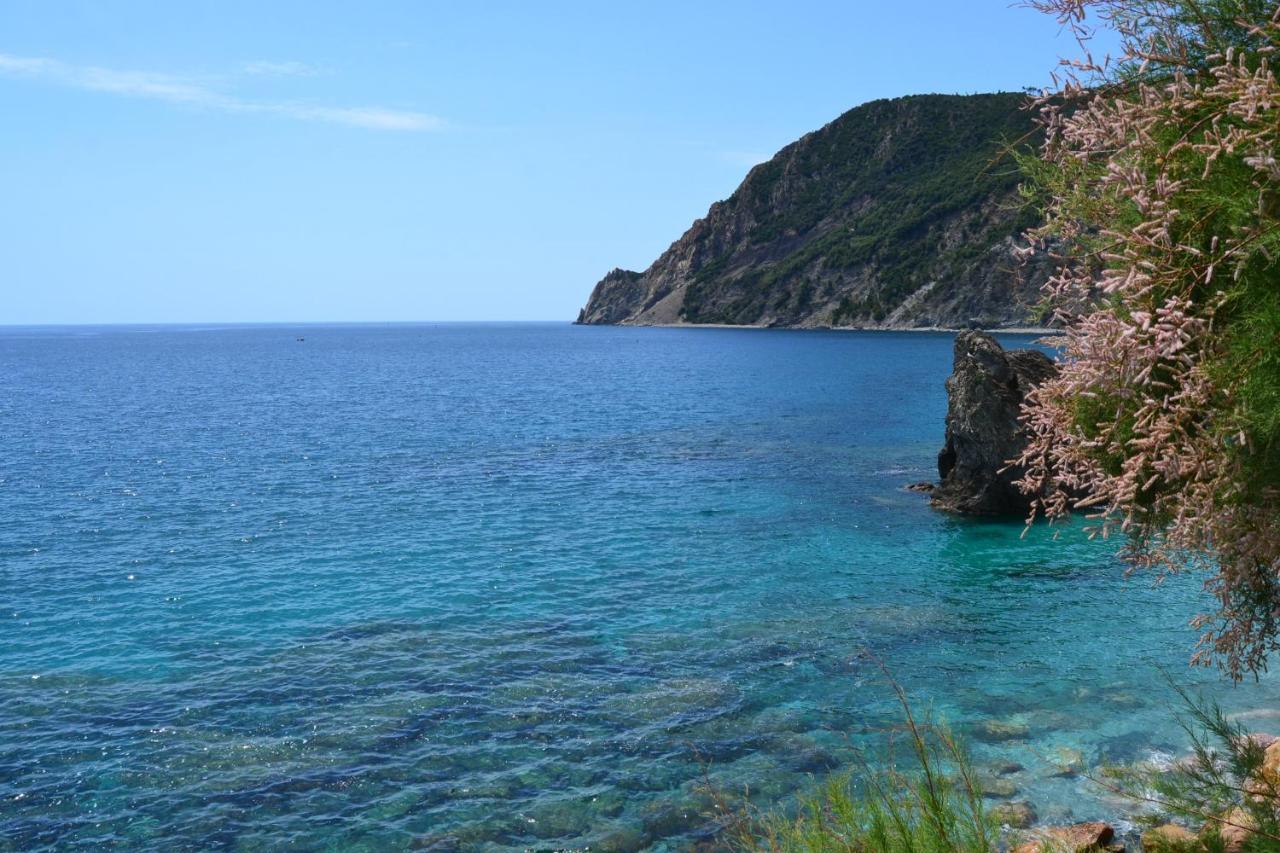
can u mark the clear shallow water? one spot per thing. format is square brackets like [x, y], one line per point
[492, 585]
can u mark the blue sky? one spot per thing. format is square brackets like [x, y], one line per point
[312, 161]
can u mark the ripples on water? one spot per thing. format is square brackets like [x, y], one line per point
[485, 585]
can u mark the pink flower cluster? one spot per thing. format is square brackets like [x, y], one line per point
[1140, 419]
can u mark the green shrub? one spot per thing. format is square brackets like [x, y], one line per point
[1224, 784]
[931, 803]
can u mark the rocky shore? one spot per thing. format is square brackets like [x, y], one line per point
[985, 393]
[1230, 830]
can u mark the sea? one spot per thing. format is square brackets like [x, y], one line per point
[527, 587]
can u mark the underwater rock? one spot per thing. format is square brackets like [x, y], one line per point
[1018, 815]
[726, 749]
[1057, 719]
[397, 805]
[622, 838]
[609, 802]
[664, 818]
[683, 697]
[648, 779]
[768, 781]
[436, 843]
[1129, 748]
[1005, 768]
[773, 720]
[558, 819]
[801, 753]
[1066, 761]
[984, 398]
[487, 789]
[370, 630]
[996, 787]
[813, 761]
[1123, 699]
[995, 731]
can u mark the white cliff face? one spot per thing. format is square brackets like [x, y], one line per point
[899, 214]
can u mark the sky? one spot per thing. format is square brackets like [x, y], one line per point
[317, 161]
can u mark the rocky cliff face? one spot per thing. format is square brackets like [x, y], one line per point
[900, 213]
[984, 397]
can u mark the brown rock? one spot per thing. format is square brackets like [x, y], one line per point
[922, 486]
[1085, 836]
[1267, 780]
[1078, 838]
[1271, 763]
[1169, 837]
[1262, 739]
[1234, 828]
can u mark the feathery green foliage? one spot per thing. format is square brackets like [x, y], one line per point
[1160, 185]
[1223, 784]
[931, 803]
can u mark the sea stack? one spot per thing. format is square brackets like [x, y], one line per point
[984, 397]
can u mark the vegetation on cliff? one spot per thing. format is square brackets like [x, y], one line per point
[901, 212]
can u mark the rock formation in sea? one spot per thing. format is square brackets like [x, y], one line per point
[984, 397]
[900, 213]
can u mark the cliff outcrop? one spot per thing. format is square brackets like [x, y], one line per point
[900, 213]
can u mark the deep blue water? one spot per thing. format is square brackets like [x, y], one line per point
[493, 585]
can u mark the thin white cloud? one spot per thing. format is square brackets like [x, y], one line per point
[23, 65]
[280, 69]
[372, 117]
[162, 87]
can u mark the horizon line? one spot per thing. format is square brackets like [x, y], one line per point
[276, 323]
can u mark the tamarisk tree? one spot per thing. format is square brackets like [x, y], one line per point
[1160, 186]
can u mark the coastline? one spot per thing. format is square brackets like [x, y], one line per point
[994, 330]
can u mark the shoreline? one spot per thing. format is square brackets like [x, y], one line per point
[994, 330]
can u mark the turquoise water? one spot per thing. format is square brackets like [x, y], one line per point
[480, 586]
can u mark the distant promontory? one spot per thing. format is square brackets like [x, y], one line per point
[901, 213]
